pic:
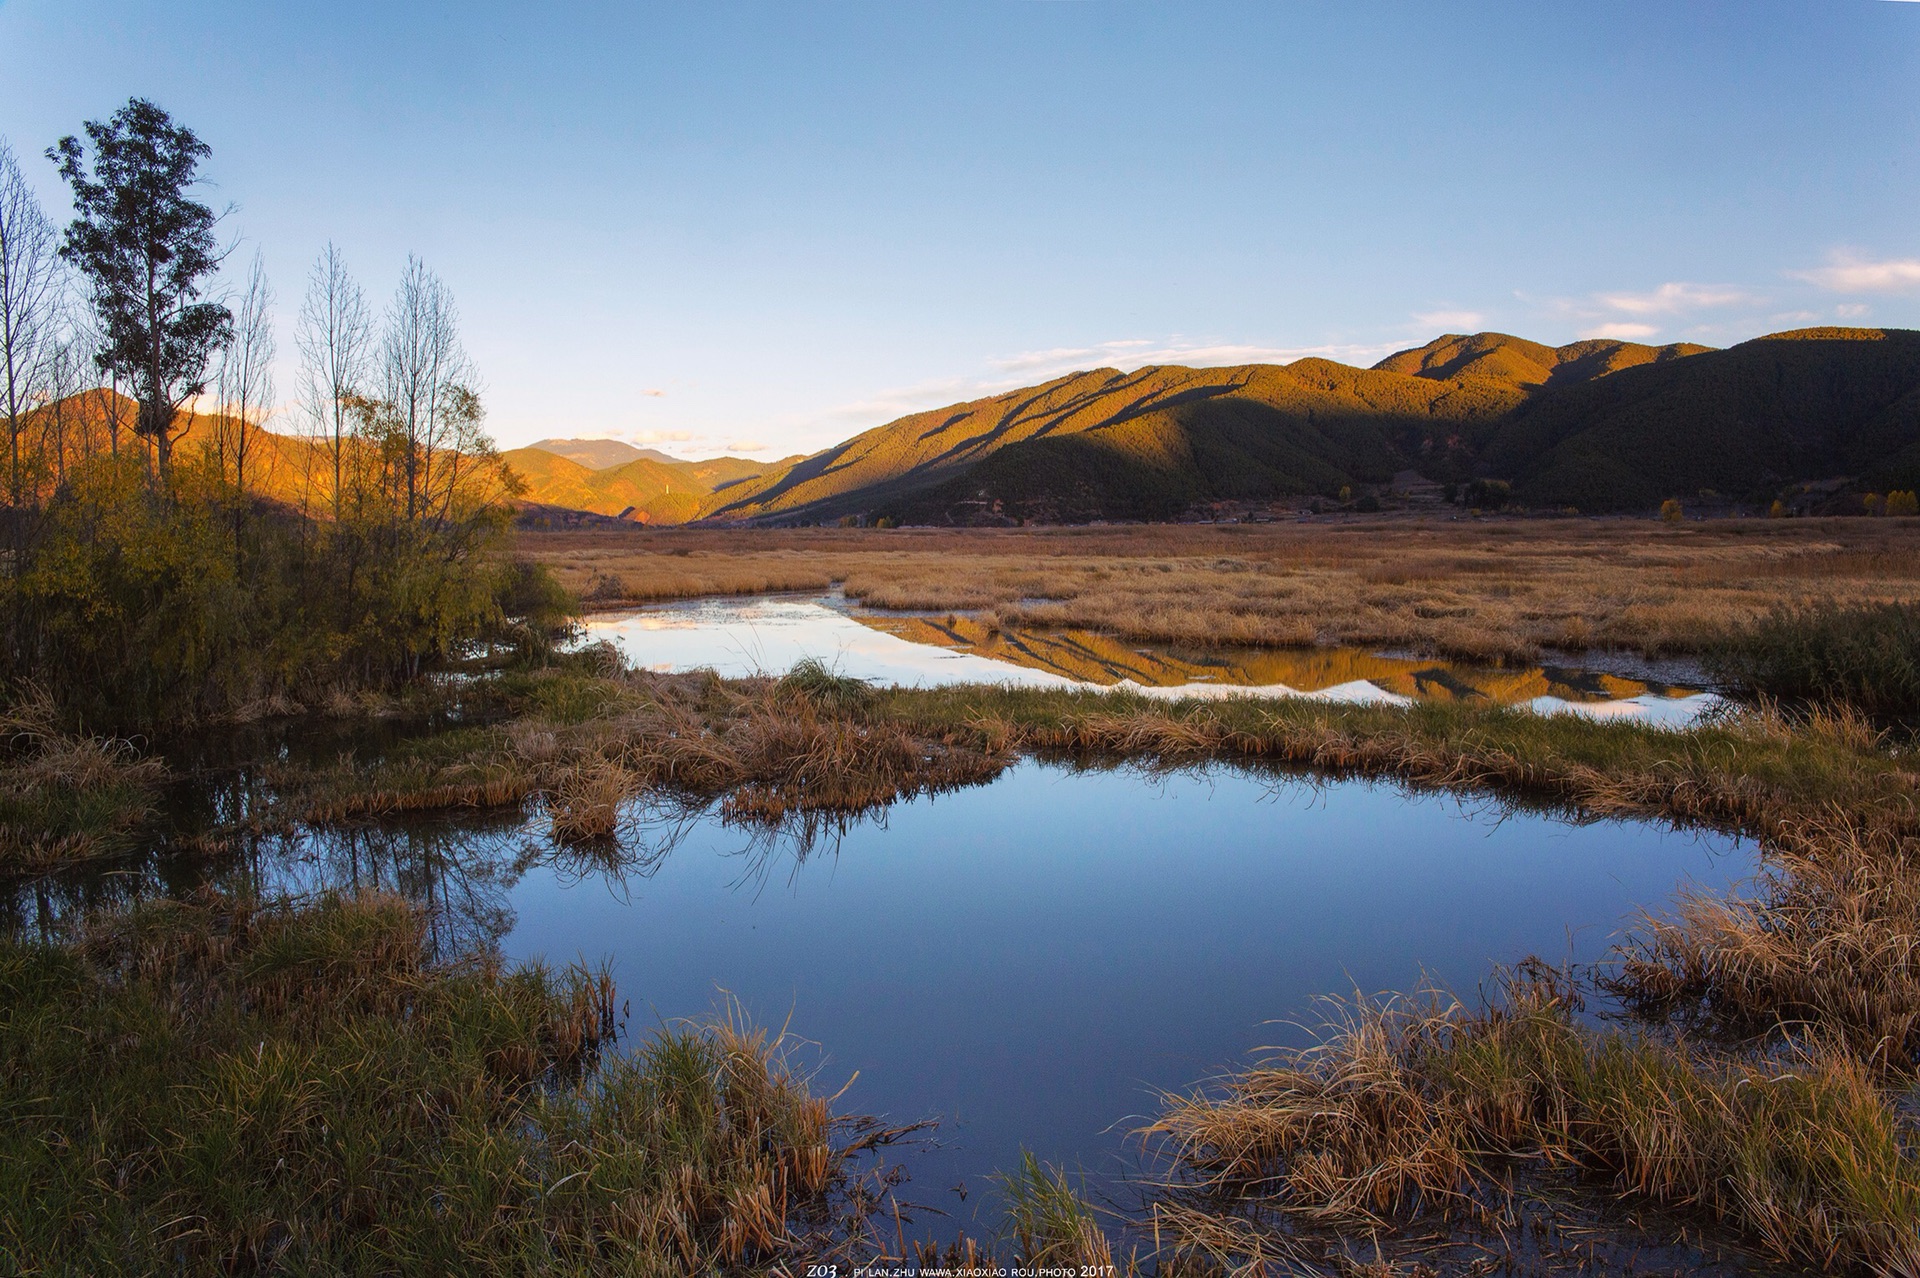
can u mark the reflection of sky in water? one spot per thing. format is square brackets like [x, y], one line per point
[1029, 959]
[738, 637]
[1032, 958]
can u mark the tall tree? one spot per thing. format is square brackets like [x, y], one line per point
[30, 286]
[420, 360]
[335, 337]
[68, 435]
[147, 250]
[244, 386]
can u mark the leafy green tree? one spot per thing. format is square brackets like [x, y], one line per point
[148, 251]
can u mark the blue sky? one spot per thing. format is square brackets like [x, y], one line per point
[724, 225]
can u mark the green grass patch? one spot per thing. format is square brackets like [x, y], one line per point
[213, 1087]
[1866, 656]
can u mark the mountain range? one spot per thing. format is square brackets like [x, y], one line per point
[1597, 426]
[607, 477]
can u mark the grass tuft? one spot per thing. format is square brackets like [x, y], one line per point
[217, 1085]
[66, 798]
[1827, 936]
[1408, 1107]
[1049, 1223]
[812, 681]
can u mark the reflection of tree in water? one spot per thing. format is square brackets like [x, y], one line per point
[655, 825]
[460, 868]
[651, 827]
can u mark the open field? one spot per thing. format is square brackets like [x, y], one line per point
[1496, 589]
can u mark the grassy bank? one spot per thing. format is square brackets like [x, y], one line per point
[581, 736]
[211, 1086]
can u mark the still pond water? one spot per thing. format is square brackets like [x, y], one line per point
[1030, 960]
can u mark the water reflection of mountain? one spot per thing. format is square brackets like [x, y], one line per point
[1091, 657]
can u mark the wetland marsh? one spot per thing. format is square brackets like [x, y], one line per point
[1028, 963]
[1038, 911]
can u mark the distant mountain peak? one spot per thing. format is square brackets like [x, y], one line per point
[1519, 362]
[601, 454]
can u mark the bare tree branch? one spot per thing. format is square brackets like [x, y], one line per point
[335, 340]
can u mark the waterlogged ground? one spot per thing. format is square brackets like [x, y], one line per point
[768, 634]
[1028, 961]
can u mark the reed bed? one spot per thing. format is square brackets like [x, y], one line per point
[1422, 1107]
[1866, 656]
[219, 1086]
[1502, 589]
[1827, 937]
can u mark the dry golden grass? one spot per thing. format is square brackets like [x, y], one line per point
[1828, 936]
[584, 744]
[1413, 1106]
[1480, 589]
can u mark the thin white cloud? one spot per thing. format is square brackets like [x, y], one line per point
[1132, 353]
[1622, 332]
[665, 437]
[1451, 321]
[746, 446]
[1851, 310]
[1849, 272]
[1026, 368]
[1072, 356]
[654, 393]
[1676, 298]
